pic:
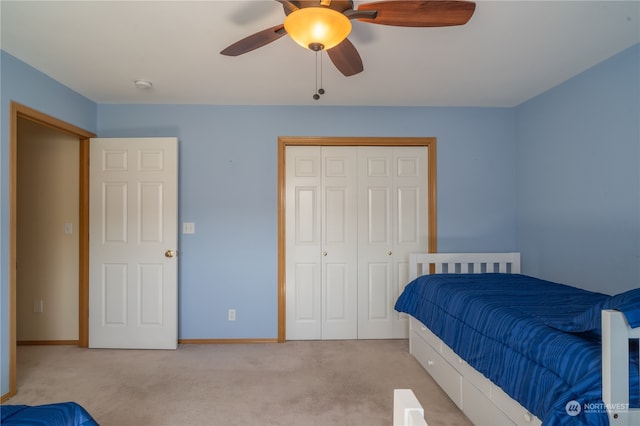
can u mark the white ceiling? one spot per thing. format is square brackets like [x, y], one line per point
[509, 52]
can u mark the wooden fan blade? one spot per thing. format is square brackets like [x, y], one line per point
[254, 41]
[429, 13]
[346, 58]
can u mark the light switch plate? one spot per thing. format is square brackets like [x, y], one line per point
[188, 228]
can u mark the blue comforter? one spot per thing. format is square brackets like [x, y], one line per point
[539, 341]
[60, 414]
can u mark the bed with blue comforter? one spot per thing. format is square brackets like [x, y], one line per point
[60, 414]
[538, 340]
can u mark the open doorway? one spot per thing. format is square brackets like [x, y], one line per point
[47, 235]
[20, 113]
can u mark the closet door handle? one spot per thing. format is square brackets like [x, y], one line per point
[324, 253]
[389, 253]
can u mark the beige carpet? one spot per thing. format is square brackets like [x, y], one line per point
[311, 383]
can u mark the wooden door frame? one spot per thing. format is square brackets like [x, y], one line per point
[21, 111]
[284, 141]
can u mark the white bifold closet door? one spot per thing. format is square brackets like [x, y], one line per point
[392, 223]
[321, 215]
[353, 215]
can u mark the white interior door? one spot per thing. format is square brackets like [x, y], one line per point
[133, 270]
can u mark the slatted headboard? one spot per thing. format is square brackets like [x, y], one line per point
[461, 263]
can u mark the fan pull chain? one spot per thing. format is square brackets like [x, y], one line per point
[319, 91]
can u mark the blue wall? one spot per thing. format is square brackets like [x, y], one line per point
[499, 169]
[228, 188]
[579, 178]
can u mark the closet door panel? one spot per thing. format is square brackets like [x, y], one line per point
[410, 220]
[339, 243]
[336, 293]
[304, 290]
[408, 215]
[393, 202]
[303, 242]
[378, 300]
[375, 242]
[378, 210]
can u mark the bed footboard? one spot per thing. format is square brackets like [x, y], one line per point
[407, 411]
[616, 334]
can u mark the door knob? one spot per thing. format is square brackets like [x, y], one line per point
[324, 253]
[389, 253]
[170, 253]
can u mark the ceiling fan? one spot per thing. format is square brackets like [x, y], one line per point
[325, 24]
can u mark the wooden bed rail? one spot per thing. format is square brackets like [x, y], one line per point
[616, 334]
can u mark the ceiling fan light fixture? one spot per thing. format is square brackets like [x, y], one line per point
[317, 27]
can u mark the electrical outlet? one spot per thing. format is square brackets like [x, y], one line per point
[188, 228]
[232, 314]
[38, 306]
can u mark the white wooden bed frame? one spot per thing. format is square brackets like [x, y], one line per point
[480, 400]
[407, 411]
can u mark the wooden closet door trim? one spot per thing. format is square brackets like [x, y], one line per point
[428, 142]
